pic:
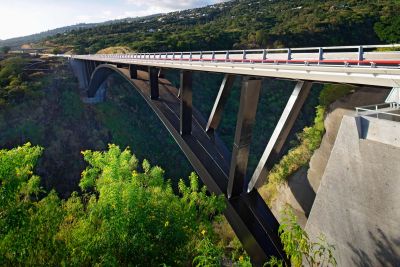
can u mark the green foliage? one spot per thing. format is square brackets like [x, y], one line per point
[16, 174]
[11, 67]
[388, 28]
[56, 51]
[332, 92]
[125, 217]
[72, 105]
[246, 24]
[208, 254]
[5, 49]
[27, 226]
[309, 140]
[14, 83]
[299, 247]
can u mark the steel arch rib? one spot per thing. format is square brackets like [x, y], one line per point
[249, 216]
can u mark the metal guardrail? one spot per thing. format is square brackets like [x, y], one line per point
[379, 109]
[366, 55]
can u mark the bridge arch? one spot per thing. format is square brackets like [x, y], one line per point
[249, 216]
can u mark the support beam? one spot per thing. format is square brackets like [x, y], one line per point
[249, 96]
[280, 134]
[219, 104]
[153, 77]
[94, 65]
[186, 103]
[88, 72]
[133, 71]
[161, 73]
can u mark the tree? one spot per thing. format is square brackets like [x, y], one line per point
[388, 30]
[5, 49]
[125, 217]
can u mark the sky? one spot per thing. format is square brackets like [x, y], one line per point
[24, 17]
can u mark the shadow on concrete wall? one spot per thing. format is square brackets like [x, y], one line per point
[303, 192]
[387, 252]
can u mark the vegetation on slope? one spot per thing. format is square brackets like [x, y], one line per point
[115, 50]
[48, 111]
[308, 141]
[128, 214]
[247, 24]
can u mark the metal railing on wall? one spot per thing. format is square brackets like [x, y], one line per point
[382, 111]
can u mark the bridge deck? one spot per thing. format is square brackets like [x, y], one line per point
[364, 65]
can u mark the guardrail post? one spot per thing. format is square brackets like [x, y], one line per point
[360, 53]
[213, 56]
[264, 55]
[320, 54]
[241, 147]
[186, 103]
[153, 78]
[289, 54]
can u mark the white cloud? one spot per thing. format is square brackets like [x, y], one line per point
[23, 17]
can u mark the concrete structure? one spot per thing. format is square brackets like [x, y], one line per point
[357, 204]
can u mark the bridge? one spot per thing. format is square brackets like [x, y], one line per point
[223, 170]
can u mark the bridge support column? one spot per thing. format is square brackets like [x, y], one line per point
[249, 97]
[153, 78]
[186, 103]
[280, 134]
[87, 71]
[133, 71]
[219, 104]
[94, 65]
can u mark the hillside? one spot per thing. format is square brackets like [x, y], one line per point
[71, 199]
[247, 24]
[17, 42]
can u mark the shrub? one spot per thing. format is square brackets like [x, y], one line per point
[298, 246]
[124, 217]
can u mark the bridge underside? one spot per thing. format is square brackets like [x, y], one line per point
[222, 172]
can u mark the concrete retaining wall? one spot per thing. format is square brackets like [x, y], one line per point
[357, 205]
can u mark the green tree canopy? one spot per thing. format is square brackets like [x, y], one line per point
[125, 217]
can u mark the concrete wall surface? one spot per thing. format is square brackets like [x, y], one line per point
[78, 67]
[357, 206]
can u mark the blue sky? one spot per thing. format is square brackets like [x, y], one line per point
[23, 17]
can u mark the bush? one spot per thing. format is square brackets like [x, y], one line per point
[125, 217]
[298, 246]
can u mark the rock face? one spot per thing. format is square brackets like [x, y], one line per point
[357, 203]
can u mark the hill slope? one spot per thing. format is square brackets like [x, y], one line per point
[247, 24]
